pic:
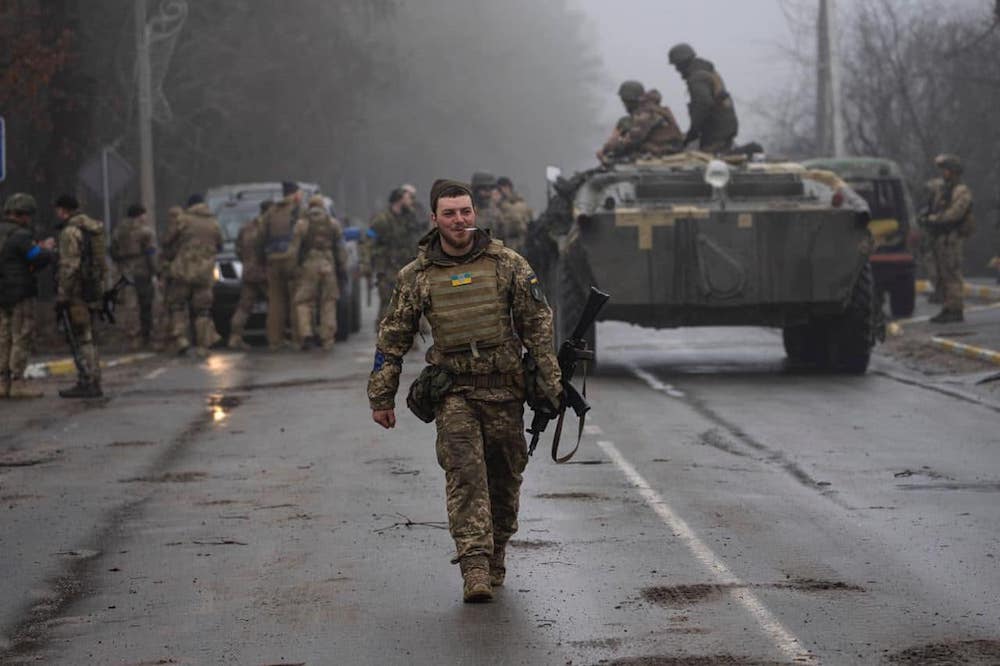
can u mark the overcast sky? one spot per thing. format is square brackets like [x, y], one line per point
[742, 38]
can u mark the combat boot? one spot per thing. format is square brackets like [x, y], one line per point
[19, 388]
[498, 567]
[948, 317]
[88, 390]
[476, 579]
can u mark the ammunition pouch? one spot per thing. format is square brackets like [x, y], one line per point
[427, 391]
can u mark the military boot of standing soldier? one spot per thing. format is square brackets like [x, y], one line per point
[485, 306]
[195, 242]
[20, 260]
[274, 246]
[318, 243]
[950, 222]
[81, 277]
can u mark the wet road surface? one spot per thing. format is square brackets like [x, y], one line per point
[722, 510]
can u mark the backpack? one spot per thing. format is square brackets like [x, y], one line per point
[92, 261]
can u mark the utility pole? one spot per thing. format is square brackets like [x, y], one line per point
[829, 123]
[147, 181]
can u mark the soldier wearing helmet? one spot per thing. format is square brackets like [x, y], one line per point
[20, 258]
[948, 222]
[713, 116]
[650, 128]
[486, 197]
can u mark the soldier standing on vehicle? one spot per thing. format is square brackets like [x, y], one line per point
[484, 305]
[713, 116]
[253, 287]
[949, 222]
[81, 278]
[392, 246]
[195, 242]
[318, 242]
[650, 128]
[515, 213]
[133, 249]
[20, 259]
[274, 248]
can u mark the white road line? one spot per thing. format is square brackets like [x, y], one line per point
[656, 384]
[155, 373]
[777, 632]
[592, 429]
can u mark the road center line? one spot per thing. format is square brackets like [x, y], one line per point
[155, 373]
[656, 384]
[782, 638]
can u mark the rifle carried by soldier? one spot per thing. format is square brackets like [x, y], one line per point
[572, 351]
[109, 300]
[64, 322]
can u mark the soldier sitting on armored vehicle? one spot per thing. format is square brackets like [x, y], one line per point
[649, 129]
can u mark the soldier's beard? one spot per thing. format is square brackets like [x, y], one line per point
[456, 241]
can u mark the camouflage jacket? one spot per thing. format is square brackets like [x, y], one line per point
[133, 248]
[71, 260]
[393, 242]
[713, 117]
[318, 235]
[951, 206]
[531, 319]
[650, 129]
[247, 239]
[515, 215]
[194, 243]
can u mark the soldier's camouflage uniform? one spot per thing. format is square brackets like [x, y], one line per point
[713, 116]
[318, 243]
[72, 283]
[650, 129]
[515, 216]
[161, 309]
[254, 284]
[493, 301]
[393, 244]
[195, 242]
[133, 248]
[275, 246]
[948, 222]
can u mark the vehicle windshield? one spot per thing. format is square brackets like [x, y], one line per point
[884, 197]
[233, 216]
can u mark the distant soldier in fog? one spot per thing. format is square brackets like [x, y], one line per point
[420, 219]
[486, 197]
[650, 129]
[318, 242]
[713, 116]
[392, 245]
[515, 214]
[274, 248]
[133, 249]
[949, 223]
[253, 288]
[194, 242]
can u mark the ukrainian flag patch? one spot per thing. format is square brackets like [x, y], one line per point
[460, 279]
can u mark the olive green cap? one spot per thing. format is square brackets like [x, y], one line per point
[20, 203]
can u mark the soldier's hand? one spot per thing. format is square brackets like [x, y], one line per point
[48, 244]
[384, 417]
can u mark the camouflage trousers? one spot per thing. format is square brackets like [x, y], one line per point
[182, 298]
[250, 294]
[83, 329]
[947, 250]
[930, 264]
[137, 307]
[316, 289]
[17, 330]
[281, 276]
[481, 448]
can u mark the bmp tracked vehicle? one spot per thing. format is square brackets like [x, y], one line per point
[692, 241]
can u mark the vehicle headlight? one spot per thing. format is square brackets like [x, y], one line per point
[217, 273]
[717, 174]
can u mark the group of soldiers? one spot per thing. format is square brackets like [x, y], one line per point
[395, 232]
[650, 127]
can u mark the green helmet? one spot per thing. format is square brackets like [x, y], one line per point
[483, 179]
[20, 203]
[631, 91]
[681, 54]
[948, 161]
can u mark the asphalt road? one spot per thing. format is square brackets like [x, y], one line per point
[723, 510]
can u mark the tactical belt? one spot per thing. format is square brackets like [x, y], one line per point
[495, 380]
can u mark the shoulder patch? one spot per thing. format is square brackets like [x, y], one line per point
[379, 361]
[535, 287]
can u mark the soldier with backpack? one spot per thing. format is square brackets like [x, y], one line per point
[82, 272]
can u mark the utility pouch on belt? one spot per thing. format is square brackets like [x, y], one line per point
[427, 390]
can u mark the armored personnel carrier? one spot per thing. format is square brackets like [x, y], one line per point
[689, 240]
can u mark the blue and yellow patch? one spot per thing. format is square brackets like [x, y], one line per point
[461, 279]
[379, 361]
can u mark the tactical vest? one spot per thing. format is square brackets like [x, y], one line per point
[719, 92]
[468, 311]
[967, 225]
[198, 241]
[321, 234]
[279, 221]
[93, 248]
[126, 242]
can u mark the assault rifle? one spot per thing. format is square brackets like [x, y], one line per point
[109, 300]
[65, 322]
[572, 351]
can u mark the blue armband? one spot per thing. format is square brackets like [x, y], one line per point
[33, 253]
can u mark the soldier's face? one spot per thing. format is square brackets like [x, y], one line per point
[455, 219]
[407, 200]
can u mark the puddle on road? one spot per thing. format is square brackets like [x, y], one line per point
[965, 652]
[219, 406]
[679, 596]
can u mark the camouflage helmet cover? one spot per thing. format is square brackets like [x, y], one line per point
[631, 91]
[948, 161]
[680, 54]
[483, 179]
[20, 203]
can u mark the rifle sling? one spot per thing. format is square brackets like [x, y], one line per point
[559, 426]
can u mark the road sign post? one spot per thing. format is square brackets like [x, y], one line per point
[3, 150]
